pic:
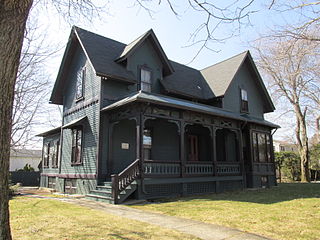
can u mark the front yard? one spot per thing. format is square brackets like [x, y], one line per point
[289, 211]
[43, 219]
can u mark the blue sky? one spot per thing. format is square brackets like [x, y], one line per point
[124, 21]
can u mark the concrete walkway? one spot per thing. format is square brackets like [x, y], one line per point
[196, 228]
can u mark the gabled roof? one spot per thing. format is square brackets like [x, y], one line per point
[131, 47]
[187, 81]
[100, 51]
[184, 104]
[220, 76]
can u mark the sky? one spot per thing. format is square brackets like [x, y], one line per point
[124, 21]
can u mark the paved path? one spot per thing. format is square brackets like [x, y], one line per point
[196, 228]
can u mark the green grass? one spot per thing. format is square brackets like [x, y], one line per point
[289, 211]
[52, 219]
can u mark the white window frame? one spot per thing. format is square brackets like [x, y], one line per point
[145, 80]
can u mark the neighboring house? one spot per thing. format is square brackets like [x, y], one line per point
[282, 146]
[19, 158]
[136, 123]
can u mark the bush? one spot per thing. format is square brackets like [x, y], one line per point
[288, 165]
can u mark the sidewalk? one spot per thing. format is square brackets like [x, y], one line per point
[198, 229]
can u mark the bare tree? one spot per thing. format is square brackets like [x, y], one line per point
[13, 18]
[287, 65]
[32, 84]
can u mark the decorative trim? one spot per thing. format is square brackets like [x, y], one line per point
[81, 106]
[75, 175]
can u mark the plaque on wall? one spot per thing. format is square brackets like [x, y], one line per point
[124, 145]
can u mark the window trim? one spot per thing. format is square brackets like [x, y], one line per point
[46, 155]
[145, 68]
[255, 144]
[55, 160]
[73, 157]
[244, 103]
[82, 71]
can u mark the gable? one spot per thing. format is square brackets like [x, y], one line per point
[244, 79]
[152, 39]
[220, 77]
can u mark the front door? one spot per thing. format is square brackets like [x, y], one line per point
[193, 154]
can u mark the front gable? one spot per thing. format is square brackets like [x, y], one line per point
[247, 81]
[146, 57]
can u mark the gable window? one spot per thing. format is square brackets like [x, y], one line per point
[76, 152]
[46, 155]
[55, 154]
[244, 101]
[80, 83]
[145, 80]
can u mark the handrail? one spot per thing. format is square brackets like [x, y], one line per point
[122, 180]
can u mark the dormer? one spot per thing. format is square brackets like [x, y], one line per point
[145, 58]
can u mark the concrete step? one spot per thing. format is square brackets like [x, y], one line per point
[101, 193]
[99, 198]
[104, 188]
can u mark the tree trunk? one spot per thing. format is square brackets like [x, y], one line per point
[13, 17]
[302, 139]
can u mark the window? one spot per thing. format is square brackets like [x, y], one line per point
[55, 154]
[52, 182]
[145, 77]
[261, 147]
[76, 156]
[282, 149]
[244, 101]
[80, 83]
[70, 186]
[46, 155]
[147, 143]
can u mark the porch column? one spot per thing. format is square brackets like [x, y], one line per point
[241, 159]
[214, 151]
[182, 149]
[110, 160]
[139, 144]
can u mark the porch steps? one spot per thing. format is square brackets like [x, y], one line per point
[103, 193]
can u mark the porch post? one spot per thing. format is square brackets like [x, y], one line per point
[110, 160]
[214, 151]
[241, 159]
[182, 149]
[139, 144]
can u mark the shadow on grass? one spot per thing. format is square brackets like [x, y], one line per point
[281, 193]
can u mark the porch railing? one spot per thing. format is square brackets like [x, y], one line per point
[228, 169]
[199, 168]
[122, 180]
[263, 167]
[161, 168]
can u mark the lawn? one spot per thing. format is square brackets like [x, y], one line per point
[52, 219]
[289, 211]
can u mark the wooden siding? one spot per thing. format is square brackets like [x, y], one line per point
[244, 79]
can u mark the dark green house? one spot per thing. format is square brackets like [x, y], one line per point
[138, 125]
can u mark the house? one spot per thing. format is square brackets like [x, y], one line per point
[136, 124]
[283, 146]
[19, 158]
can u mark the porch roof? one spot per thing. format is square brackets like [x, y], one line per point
[187, 105]
[75, 122]
[50, 132]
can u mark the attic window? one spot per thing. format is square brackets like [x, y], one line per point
[80, 83]
[145, 78]
[244, 101]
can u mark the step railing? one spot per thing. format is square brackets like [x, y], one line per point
[122, 180]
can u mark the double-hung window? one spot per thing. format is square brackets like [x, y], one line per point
[55, 154]
[145, 80]
[46, 155]
[244, 101]
[76, 152]
[80, 83]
